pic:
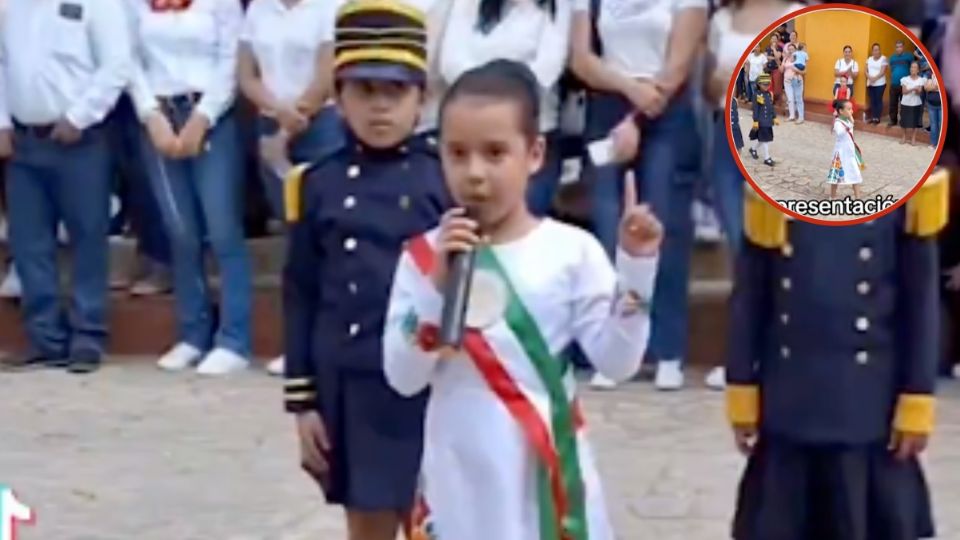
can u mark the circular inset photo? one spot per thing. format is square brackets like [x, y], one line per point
[836, 114]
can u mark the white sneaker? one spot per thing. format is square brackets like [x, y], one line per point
[11, 288]
[602, 382]
[222, 362]
[181, 357]
[669, 375]
[275, 367]
[717, 378]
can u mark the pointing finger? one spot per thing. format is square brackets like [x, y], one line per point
[629, 191]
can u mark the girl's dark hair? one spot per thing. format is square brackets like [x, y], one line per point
[501, 80]
[875, 45]
[839, 104]
[491, 11]
[845, 47]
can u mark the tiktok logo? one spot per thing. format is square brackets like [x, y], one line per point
[13, 513]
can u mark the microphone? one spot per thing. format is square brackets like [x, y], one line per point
[456, 295]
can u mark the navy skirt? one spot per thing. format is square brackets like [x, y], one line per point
[762, 134]
[801, 492]
[376, 438]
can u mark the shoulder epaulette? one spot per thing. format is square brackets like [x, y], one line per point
[294, 180]
[928, 209]
[764, 224]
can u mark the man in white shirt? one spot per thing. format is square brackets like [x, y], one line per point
[63, 63]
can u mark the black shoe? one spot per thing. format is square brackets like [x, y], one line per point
[83, 362]
[32, 362]
[754, 154]
[769, 162]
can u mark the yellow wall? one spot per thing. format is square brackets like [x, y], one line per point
[827, 32]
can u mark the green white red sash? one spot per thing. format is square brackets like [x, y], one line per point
[561, 491]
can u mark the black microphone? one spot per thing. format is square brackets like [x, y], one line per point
[456, 295]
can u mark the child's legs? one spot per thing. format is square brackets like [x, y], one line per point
[383, 525]
[856, 190]
[766, 150]
[833, 191]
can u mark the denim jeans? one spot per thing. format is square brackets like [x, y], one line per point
[875, 95]
[138, 199]
[201, 202]
[48, 182]
[665, 168]
[794, 90]
[728, 184]
[936, 122]
[543, 185]
[324, 134]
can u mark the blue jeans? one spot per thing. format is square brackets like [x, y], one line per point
[543, 185]
[324, 134]
[936, 122]
[201, 202]
[138, 199]
[48, 182]
[728, 185]
[665, 169]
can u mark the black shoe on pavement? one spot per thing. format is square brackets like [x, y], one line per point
[754, 154]
[769, 162]
[82, 362]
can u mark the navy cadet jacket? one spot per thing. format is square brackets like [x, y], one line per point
[355, 209]
[763, 109]
[834, 330]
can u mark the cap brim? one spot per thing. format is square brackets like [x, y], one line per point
[377, 71]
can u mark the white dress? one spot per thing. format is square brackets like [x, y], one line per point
[845, 167]
[480, 469]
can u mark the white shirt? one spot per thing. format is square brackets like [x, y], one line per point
[286, 41]
[912, 100]
[843, 65]
[525, 33]
[636, 33]
[194, 50]
[873, 69]
[756, 61]
[62, 59]
[437, 12]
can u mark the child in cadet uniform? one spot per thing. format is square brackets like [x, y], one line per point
[349, 215]
[831, 372]
[505, 456]
[847, 162]
[764, 118]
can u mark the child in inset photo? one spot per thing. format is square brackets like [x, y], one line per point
[847, 162]
[764, 118]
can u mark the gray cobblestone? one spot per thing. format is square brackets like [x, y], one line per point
[132, 453]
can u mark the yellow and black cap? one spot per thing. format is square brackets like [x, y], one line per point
[764, 78]
[380, 40]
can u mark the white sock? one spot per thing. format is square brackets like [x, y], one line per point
[766, 150]
[756, 145]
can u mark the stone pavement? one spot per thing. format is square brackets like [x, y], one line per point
[803, 153]
[132, 453]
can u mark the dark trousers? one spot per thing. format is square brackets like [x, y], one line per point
[48, 182]
[896, 92]
[875, 96]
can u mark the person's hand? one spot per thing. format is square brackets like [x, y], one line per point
[292, 120]
[756, 125]
[745, 438]
[640, 231]
[776, 121]
[647, 98]
[161, 134]
[314, 446]
[458, 234]
[6, 143]
[907, 446]
[626, 140]
[65, 133]
[191, 137]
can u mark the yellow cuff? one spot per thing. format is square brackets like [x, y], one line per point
[756, 125]
[743, 405]
[928, 209]
[292, 189]
[915, 414]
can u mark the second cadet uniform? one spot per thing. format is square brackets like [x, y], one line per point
[764, 113]
[350, 214]
[834, 350]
